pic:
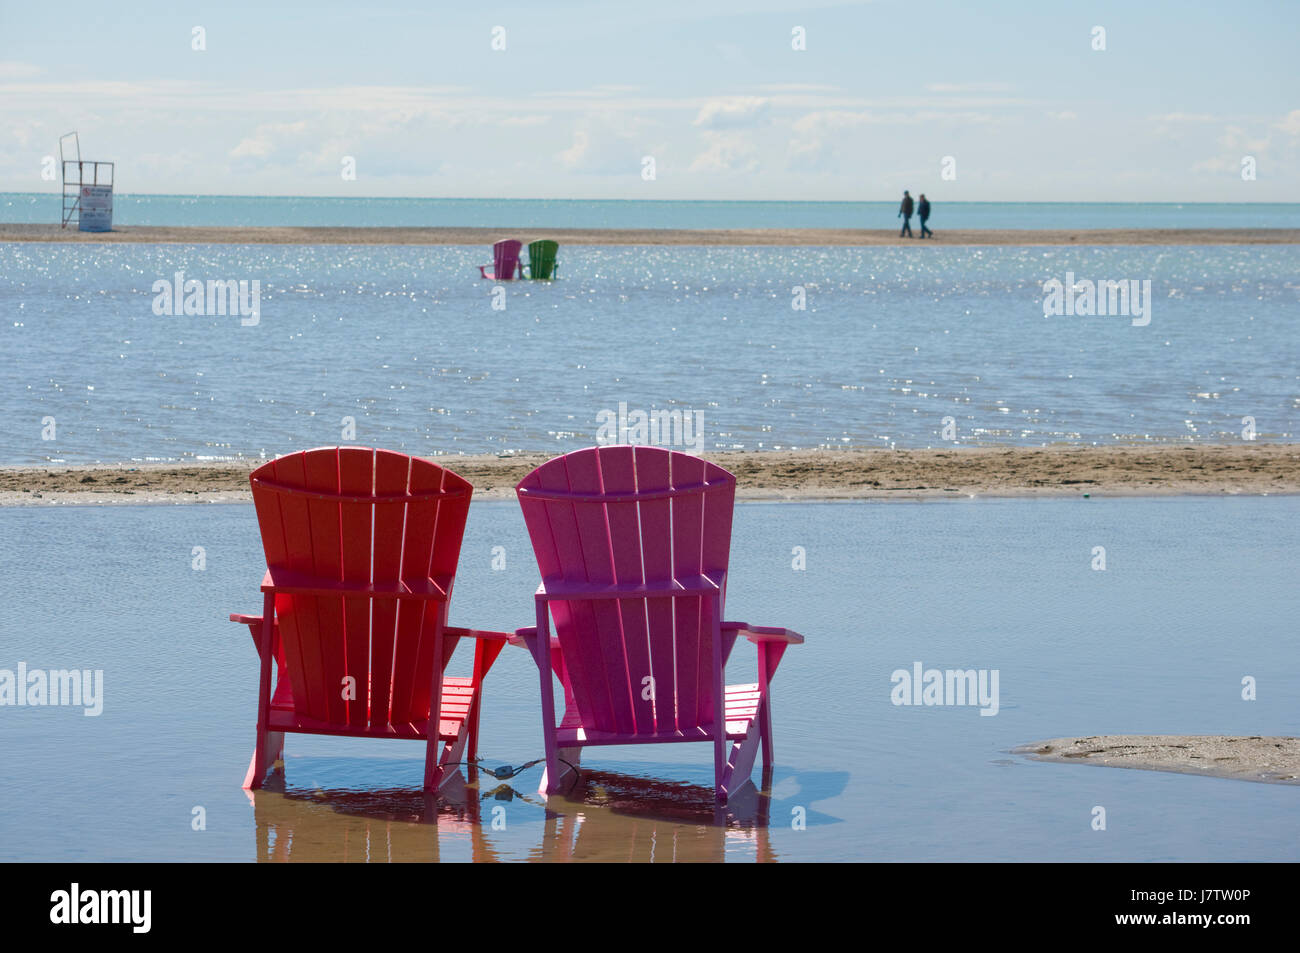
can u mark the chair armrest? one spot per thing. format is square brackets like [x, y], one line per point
[486, 634]
[762, 633]
[245, 619]
[520, 637]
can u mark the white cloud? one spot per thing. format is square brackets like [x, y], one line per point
[608, 144]
[532, 120]
[736, 112]
[1182, 117]
[1290, 123]
[266, 139]
[969, 87]
[574, 156]
[799, 88]
[1216, 165]
[727, 152]
[12, 69]
[1237, 139]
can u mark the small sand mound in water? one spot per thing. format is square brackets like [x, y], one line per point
[1275, 760]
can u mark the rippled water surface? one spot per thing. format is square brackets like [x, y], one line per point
[407, 342]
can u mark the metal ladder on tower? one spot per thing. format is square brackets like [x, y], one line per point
[74, 176]
[71, 200]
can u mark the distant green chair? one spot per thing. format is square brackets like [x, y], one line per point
[541, 260]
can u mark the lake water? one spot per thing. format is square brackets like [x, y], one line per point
[407, 342]
[1198, 593]
[255, 210]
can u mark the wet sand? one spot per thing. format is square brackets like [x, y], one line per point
[1211, 470]
[1268, 759]
[194, 235]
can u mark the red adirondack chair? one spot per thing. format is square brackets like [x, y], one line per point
[632, 544]
[361, 551]
[505, 261]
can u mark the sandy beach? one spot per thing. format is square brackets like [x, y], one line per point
[1217, 470]
[197, 235]
[1255, 758]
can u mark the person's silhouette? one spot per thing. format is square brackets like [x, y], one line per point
[923, 211]
[905, 212]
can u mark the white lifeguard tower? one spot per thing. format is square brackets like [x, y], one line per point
[87, 189]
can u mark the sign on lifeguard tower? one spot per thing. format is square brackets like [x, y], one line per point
[87, 190]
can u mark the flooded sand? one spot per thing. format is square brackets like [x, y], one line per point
[1270, 760]
[388, 235]
[1197, 593]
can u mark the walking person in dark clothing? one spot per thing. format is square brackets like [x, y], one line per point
[923, 210]
[905, 212]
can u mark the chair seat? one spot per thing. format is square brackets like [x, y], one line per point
[457, 696]
[741, 710]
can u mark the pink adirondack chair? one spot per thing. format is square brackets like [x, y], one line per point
[632, 544]
[505, 261]
[361, 551]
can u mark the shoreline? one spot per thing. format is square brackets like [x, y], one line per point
[783, 237]
[762, 475]
[1268, 760]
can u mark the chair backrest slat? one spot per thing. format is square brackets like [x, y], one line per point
[416, 622]
[327, 667]
[360, 516]
[357, 478]
[505, 258]
[618, 476]
[541, 258]
[391, 473]
[297, 618]
[609, 662]
[615, 515]
[692, 639]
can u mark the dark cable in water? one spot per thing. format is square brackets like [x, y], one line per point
[505, 772]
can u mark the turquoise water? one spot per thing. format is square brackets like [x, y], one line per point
[407, 343]
[247, 210]
[1197, 594]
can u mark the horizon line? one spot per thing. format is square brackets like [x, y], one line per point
[447, 198]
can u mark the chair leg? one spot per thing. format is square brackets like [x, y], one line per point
[720, 706]
[568, 761]
[551, 776]
[484, 655]
[541, 646]
[471, 750]
[446, 768]
[434, 774]
[765, 732]
[765, 706]
[270, 744]
[720, 773]
[269, 750]
[255, 773]
[741, 763]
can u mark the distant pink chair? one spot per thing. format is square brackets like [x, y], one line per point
[633, 544]
[361, 552]
[505, 261]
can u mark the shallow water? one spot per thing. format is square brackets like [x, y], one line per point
[405, 341]
[1197, 594]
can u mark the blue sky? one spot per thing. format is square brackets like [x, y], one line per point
[1013, 92]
